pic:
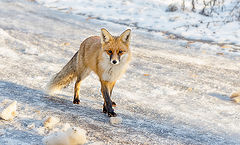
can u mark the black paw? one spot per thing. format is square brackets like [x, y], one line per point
[112, 114]
[76, 101]
[114, 104]
[104, 109]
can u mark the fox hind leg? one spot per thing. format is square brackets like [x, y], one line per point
[82, 75]
[76, 91]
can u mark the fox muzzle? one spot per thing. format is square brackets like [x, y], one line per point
[114, 59]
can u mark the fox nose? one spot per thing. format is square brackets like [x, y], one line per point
[114, 61]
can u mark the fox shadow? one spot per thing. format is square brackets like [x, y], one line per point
[223, 97]
[41, 100]
[162, 128]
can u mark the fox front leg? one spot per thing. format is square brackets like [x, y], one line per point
[111, 89]
[113, 103]
[106, 88]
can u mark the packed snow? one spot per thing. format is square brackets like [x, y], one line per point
[174, 92]
[115, 120]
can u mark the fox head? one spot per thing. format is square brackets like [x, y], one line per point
[115, 48]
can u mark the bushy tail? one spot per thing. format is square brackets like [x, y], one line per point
[64, 77]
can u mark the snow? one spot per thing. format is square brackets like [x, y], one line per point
[174, 92]
[51, 121]
[56, 139]
[236, 99]
[76, 136]
[8, 109]
[152, 15]
[66, 127]
[73, 136]
[115, 120]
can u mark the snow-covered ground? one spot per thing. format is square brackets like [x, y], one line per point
[152, 15]
[174, 92]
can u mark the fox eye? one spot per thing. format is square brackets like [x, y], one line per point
[120, 51]
[110, 51]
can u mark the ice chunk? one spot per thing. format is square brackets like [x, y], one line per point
[51, 121]
[73, 136]
[8, 109]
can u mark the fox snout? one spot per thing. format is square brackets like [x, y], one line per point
[115, 59]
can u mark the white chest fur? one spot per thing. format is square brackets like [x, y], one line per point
[112, 72]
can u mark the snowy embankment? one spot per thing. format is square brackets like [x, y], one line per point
[217, 24]
[174, 92]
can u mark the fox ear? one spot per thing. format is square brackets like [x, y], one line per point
[105, 36]
[125, 36]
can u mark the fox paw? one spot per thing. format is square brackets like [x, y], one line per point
[76, 101]
[104, 109]
[112, 114]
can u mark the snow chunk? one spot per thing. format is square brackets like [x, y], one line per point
[73, 136]
[8, 109]
[65, 127]
[31, 126]
[51, 122]
[40, 130]
[115, 120]
[59, 138]
[76, 136]
[236, 97]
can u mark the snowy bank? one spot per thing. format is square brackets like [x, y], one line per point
[215, 24]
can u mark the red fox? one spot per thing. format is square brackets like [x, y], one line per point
[107, 56]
